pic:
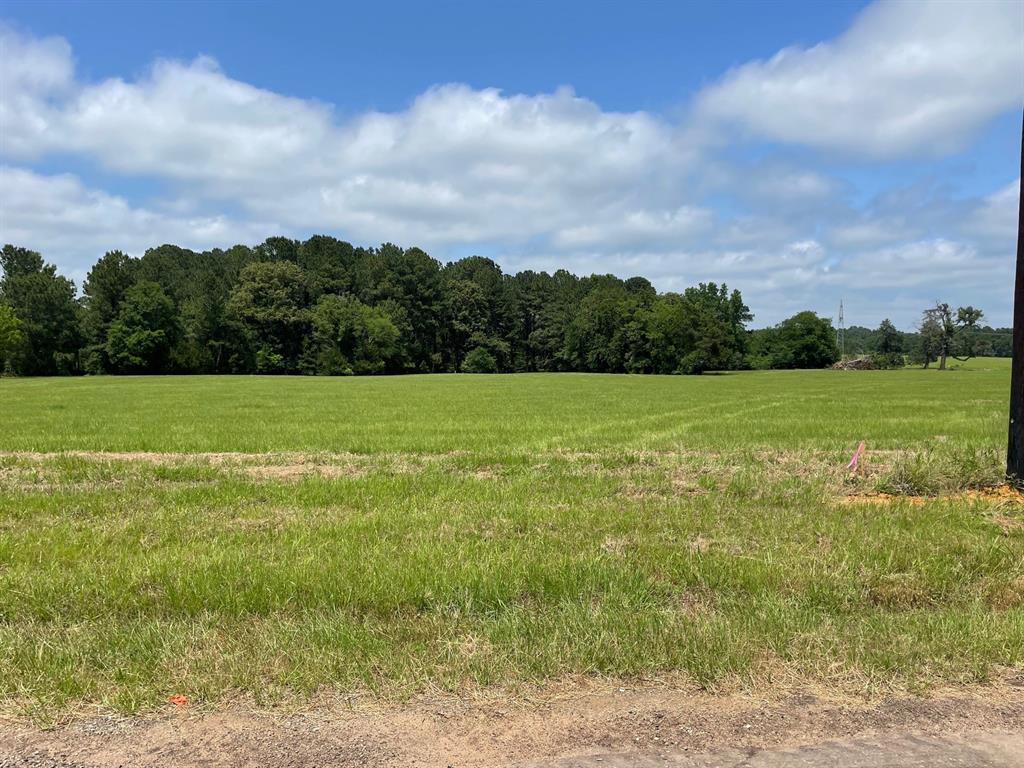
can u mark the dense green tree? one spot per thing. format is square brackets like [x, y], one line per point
[103, 292]
[553, 302]
[206, 340]
[529, 291]
[269, 307]
[328, 264]
[716, 329]
[595, 339]
[858, 340]
[999, 340]
[669, 332]
[45, 304]
[323, 305]
[176, 270]
[465, 316]
[278, 249]
[11, 338]
[801, 341]
[348, 337]
[492, 320]
[409, 280]
[927, 342]
[887, 343]
[139, 340]
[479, 360]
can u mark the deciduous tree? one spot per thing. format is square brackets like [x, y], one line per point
[270, 308]
[140, 339]
[11, 337]
[954, 335]
[45, 304]
[349, 337]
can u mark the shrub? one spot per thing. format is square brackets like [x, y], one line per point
[479, 360]
[888, 360]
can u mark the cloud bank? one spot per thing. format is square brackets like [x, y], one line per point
[549, 180]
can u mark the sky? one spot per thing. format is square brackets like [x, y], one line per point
[800, 152]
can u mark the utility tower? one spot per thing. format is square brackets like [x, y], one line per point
[841, 333]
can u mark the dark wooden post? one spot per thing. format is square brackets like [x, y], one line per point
[1015, 447]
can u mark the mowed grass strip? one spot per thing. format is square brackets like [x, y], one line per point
[124, 579]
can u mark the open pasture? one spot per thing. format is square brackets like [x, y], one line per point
[501, 414]
[280, 537]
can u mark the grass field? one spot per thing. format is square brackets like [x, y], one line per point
[283, 536]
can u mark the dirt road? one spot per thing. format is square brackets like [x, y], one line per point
[584, 725]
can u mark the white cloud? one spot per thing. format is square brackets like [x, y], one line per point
[66, 220]
[996, 217]
[543, 180]
[908, 76]
[938, 264]
[457, 165]
[32, 72]
[39, 66]
[638, 230]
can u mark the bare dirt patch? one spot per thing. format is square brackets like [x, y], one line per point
[555, 722]
[998, 494]
[261, 466]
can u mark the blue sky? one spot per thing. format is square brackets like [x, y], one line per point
[801, 152]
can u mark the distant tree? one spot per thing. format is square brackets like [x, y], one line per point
[208, 338]
[349, 337]
[140, 339]
[44, 302]
[858, 340]
[411, 280]
[888, 346]
[327, 263]
[954, 335]
[803, 341]
[553, 301]
[633, 338]
[278, 249]
[669, 333]
[179, 271]
[466, 315]
[479, 360]
[103, 292]
[11, 337]
[322, 305]
[984, 348]
[927, 342]
[639, 286]
[490, 322]
[717, 329]
[594, 339]
[531, 292]
[270, 308]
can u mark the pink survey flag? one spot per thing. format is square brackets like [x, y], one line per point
[856, 456]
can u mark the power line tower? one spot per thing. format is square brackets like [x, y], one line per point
[841, 333]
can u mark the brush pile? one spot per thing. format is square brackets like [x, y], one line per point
[863, 363]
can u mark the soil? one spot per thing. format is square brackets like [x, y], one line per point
[594, 722]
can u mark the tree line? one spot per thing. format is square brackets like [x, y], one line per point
[324, 306]
[942, 333]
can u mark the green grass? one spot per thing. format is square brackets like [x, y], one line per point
[512, 413]
[450, 531]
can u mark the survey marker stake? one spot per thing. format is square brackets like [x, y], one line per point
[855, 459]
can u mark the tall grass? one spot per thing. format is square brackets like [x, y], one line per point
[395, 534]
